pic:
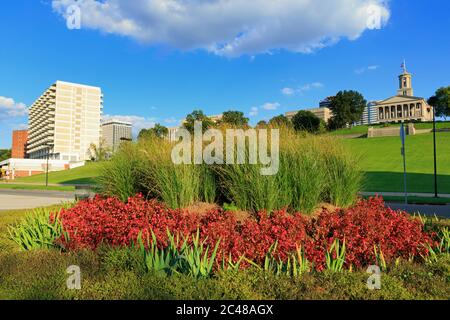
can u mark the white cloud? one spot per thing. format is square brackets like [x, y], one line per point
[302, 89]
[365, 69]
[171, 121]
[233, 27]
[12, 109]
[137, 122]
[253, 112]
[310, 86]
[270, 106]
[288, 91]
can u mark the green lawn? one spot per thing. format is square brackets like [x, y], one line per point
[14, 186]
[382, 162]
[415, 200]
[82, 175]
[363, 129]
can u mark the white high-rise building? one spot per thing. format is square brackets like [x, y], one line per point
[114, 132]
[65, 121]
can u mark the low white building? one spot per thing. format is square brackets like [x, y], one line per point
[15, 168]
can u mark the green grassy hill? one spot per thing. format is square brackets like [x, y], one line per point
[381, 160]
[364, 129]
[82, 175]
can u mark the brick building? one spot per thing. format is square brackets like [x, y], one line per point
[19, 143]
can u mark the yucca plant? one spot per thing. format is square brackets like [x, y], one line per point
[444, 244]
[196, 260]
[300, 263]
[229, 266]
[432, 254]
[443, 247]
[295, 266]
[160, 261]
[37, 231]
[379, 257]
[335, 256]
[193, 259]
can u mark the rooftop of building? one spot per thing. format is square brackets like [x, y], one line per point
[76, 84]
[116, 121]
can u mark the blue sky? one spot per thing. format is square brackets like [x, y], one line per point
[153, 70]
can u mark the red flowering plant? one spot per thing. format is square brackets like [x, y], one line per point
[365, 226]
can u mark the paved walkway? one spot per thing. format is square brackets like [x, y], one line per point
[29, 199]
[429, 210]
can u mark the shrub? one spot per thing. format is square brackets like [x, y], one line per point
[38, 230]
[366, 226]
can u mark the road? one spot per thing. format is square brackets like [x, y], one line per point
[429, 210]
[28, 199]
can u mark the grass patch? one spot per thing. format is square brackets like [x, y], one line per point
[13, 186]
[119, 273]
[82, 175]
[415, 200]
[382, 163]
[113, 274]
[364, 129]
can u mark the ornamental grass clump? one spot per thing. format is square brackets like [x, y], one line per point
[121, 176]
[178, 185]
[310, 170]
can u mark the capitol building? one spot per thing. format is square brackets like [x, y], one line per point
[402, 107]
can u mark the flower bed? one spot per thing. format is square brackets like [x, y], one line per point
[363, 227]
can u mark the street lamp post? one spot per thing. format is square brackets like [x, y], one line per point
[435, 160]
[46, 169]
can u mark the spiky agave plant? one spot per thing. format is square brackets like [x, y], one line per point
[335, 262]
[196, 259]
[295, 265]
[379, 256]
[37, 230]
[160, 261]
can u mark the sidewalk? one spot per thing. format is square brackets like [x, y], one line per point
[29, 199]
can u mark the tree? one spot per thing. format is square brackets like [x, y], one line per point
[234, 118]
[99, 152]
[306, 121]
[441, 102]
[5, 154]
[157, 131]
[347, 108]
[261, 124]
[197, 115]
[280, 121]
